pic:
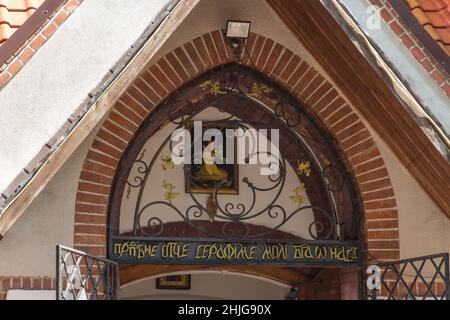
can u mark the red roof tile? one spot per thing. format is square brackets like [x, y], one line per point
[13, 13]
[434, 15]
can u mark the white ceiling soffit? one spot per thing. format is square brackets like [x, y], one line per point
[70, 84]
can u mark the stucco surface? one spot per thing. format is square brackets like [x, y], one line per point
[37, 102]
[226, 286]
[30, 246]
[213, 15]
[424, 229]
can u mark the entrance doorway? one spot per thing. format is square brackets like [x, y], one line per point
[303, 218]
[210, 285]
[81, 276]
[273, 282]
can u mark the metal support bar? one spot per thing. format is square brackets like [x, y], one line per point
[82, 276]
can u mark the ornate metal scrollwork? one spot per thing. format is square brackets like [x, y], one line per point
[235, 218]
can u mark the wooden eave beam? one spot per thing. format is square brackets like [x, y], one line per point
[326, 40]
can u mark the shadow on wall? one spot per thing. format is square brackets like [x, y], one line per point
[212, 286]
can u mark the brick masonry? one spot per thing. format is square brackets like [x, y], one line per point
[26, 52]
[276, 62]
[25, 283]
[428, 62]
[184, 64]
[16, 62]
[192, 59]
[7, 71]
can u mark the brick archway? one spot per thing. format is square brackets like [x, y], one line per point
[282, 66]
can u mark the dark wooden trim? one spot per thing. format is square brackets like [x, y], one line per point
[421, 34]
[369, 92]
[37, 19]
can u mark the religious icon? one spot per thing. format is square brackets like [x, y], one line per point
[174, 282]
[210, 176]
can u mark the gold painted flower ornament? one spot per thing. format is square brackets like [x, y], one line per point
[170, 193]
[167, 162]
[298, 197]
[258, 89]
[213, 86]
[304, 168]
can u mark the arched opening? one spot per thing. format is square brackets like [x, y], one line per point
[209, 284]
[305, 217]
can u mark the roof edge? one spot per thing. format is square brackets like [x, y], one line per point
[411, 22]
[31, 25]
[384, 66]
[97, 105]
[389, 115]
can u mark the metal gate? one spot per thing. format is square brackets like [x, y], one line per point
[421, 278]
[81, 276]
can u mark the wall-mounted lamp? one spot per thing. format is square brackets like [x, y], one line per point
[238, 29]
[237, 32]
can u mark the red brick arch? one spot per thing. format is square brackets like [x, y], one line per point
[277, 63]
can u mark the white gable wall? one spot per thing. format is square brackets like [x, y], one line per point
[39, 100]
[30, 246]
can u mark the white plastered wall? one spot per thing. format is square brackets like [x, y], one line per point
[59, 77]
[209, 285]
[28, 248]
[424, 229]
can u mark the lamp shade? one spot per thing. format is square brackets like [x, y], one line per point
[238, 29]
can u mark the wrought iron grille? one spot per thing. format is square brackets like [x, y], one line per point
[81, 276]
[335, 206]
[421, 278]
[317, 209]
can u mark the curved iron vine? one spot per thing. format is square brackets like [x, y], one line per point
[235, 82]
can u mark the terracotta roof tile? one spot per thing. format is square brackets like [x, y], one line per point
[434, 15]
[13, 13]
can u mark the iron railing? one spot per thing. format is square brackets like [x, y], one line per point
[81, 276]
[421, 278]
